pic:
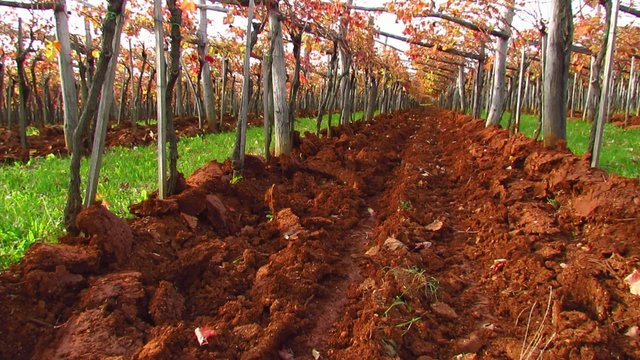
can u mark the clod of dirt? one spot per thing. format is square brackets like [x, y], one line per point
[77, 259]
[51, 285]
[190, 201]
[167, 305]
[217, 215]
[444, 310]
[471, 344]
[108, 232]
[91, 335]
[154, 207]
[159, 347]
[100, 330]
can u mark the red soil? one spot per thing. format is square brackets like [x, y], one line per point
[51, 138]
[382, 244]
[634, 121]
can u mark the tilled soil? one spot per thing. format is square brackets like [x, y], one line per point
[50, 139]
[416, 236]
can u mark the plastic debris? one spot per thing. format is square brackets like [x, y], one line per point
[422, 245]
[498, 265]
[286, 354]
[633, 280]
[435, 225]
[633, 332]
[315, 353]
[202, 334]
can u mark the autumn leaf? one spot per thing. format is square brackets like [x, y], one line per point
[51, 49]
[188, 6]
[228, 19]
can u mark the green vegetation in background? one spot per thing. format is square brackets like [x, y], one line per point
[33, 194]
[620, 152]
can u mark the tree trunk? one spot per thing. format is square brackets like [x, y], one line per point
[161, 97]
[556, 78]
[137, 99]
[123, 95]
[225, 69]
[460, 88]
[596, 144]
[499, 74]
[630, 90]
[296, 40]
[373, 94]
[9, 95]
[102, 121]
[174, 75]
[267, 97]
[344, 56]
[149, 97]
[74, 199]
[198, 104]
[283, 143]
[39, 104]
[331, 75]
[521, 71]
[241, 130]
[23, 88]
[46, 115]
[478, 85]
[2, 99]
[180, 108]
[207, 82]
[574, 89]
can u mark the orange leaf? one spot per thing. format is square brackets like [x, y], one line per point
[188, 6]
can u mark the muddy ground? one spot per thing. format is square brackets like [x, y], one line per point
[50, 139]
[417, 236]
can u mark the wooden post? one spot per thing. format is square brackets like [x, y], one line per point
[225, 64]
[238, 163]
[523, 58]
[102, 122]
[478, 85]
[632, 79]
[283, 140]
[591, 79]
[606, 88]
[499, 75]
[573, 94]
[461, 82]
[207, 83]
[161, 89]
[67, 82]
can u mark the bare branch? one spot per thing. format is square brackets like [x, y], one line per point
[630, 10]
[28, 6]
[456, 52]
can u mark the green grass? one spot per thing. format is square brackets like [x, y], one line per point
[620, 152]
[33, 194]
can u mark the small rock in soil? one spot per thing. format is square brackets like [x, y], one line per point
[444, 310]
[393, 244]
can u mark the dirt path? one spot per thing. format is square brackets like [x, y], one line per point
[417, 236]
